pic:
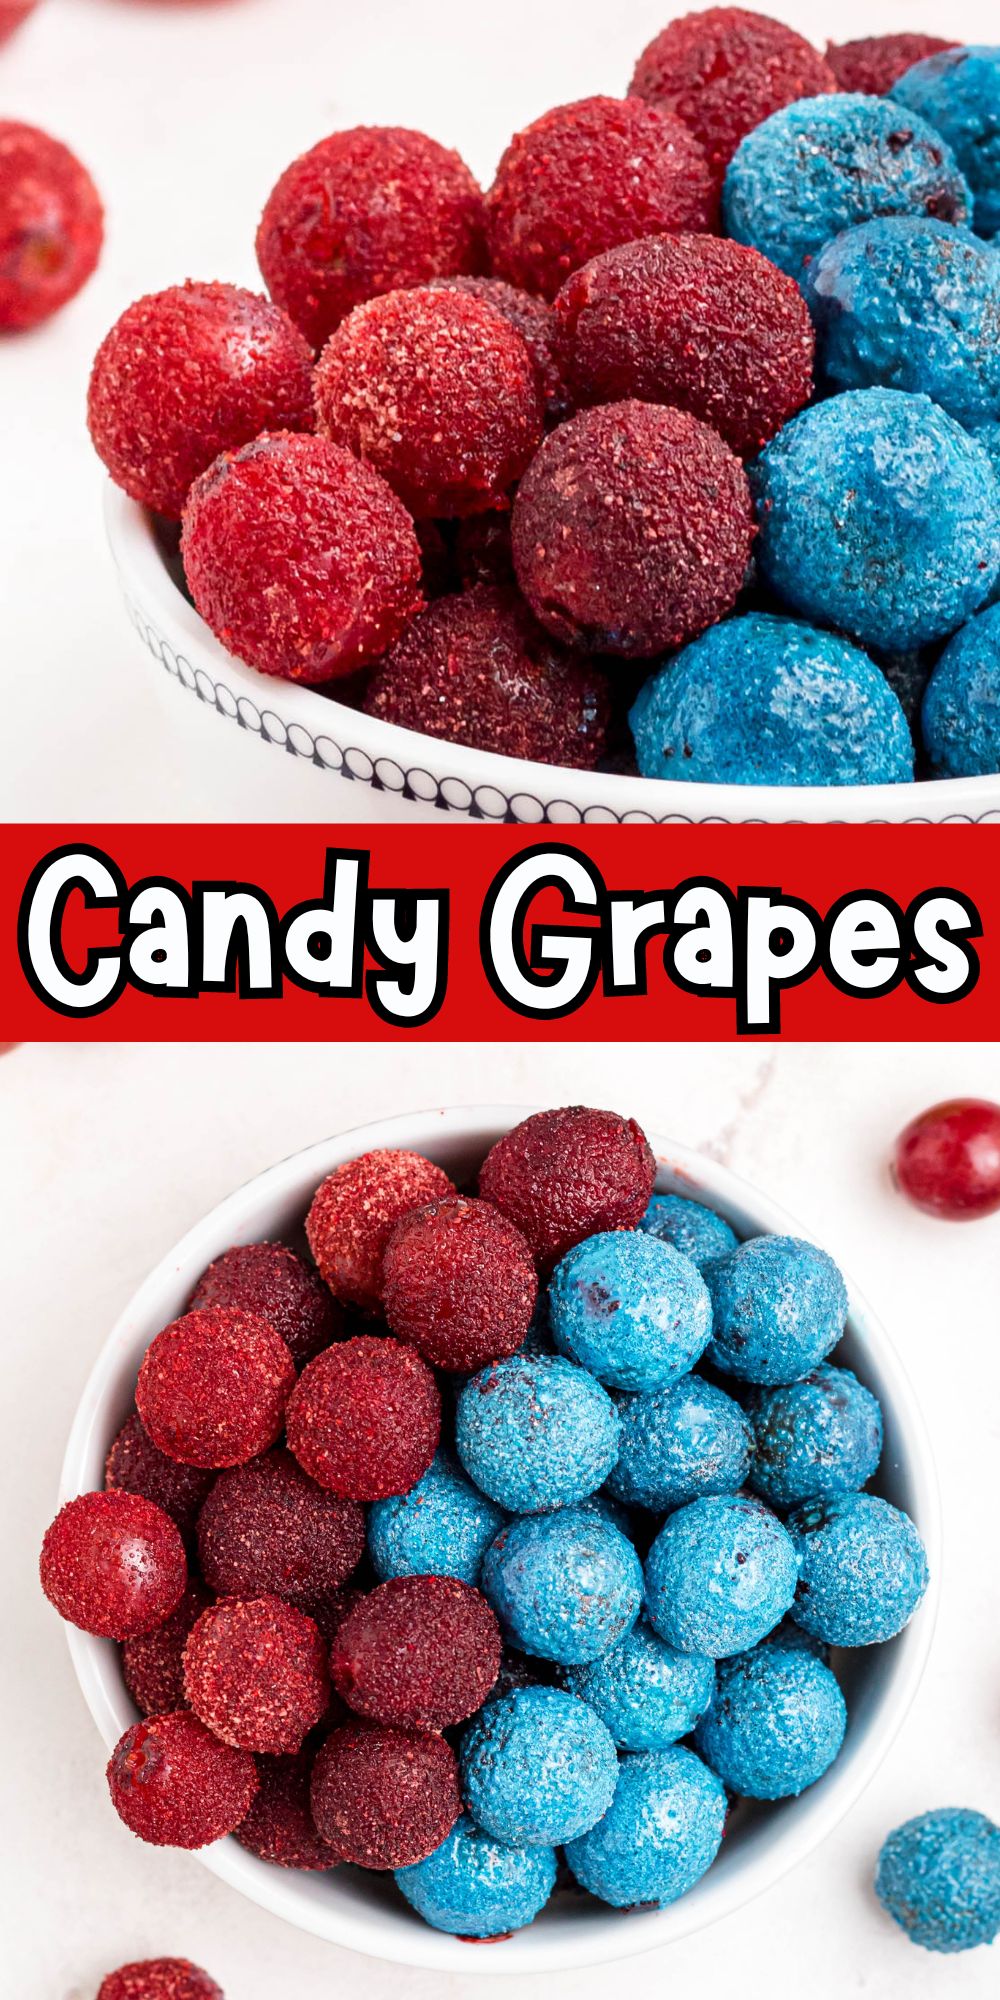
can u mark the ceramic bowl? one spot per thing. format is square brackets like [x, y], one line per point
[363, 1911]
[475, 784]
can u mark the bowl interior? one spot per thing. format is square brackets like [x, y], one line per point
[364, 1911]
[320, 729]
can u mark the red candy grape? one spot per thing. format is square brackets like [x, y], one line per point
[724, 71]
[875, 62]
[269, 1279]
[255, 1674]
[175, 1785]
[948, 1160]
[213, 1386]
[478, 668]
[13, 14]
[337, 551]
[186, 374]
[707, 325]
[420, 1652]
[460, 1284]
[113, 1564]
[587, 176]
[532, 319]
[564, 1175]
[135, 1465]
[153, 1663]
[632, 530]
[354, 1212]
[368, 211]
[384, 1798]
[279, 1826]
[266, 1527]
[365, 1419]
[51, 226]
[439, 393]
[159, 1979]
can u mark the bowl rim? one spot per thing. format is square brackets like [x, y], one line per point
[565, 1945]
[551, 792]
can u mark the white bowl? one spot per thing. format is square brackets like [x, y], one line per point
[363, 1911]
[473, 783]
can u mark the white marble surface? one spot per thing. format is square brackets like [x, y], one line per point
[186, 114]
[112, 1152]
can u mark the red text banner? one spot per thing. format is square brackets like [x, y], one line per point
[214, 933]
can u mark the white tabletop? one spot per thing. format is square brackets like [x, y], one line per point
[112, 1153]
[185, 114]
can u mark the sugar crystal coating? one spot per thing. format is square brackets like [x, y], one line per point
[365, 1418]
[113, 1564]
[384, 1798]
[269, 1279]
[561, 1175]
[587, 176]
[793, 1639]
[153, 1662]
[459, 1283]
[632, 529]
[631, 1309]
[339, 552]
[696, 1231]
[680, 1443]
[821, 165]
[478, 668]
[960, 716]
[175, 1785]
[476, 1887]
[874, 63]
[907, 302]
[661, 1832]
[186, 374]
[538, 1767]
[779, 1305]
[813, 1438]
[648, 1693]
[565, 1586]
[279, 1826]
[51, 226]
[354, 1212]
[725, 70]
[775, 1723]
[366, 211]
[442, 1527]
[533, 319]
[419, 1652]
[720, 1575]
[863, 1569]
[438, 392]
[135, 1465]
[159, 1979]
[213, 1386]
[765, 700]
[706, 325]
[255, 1672]
[958, 92]
[879, 514]
[939, 1876]
[536, 1432]
[267, 1527]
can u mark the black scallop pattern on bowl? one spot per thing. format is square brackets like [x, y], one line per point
[417, 785]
